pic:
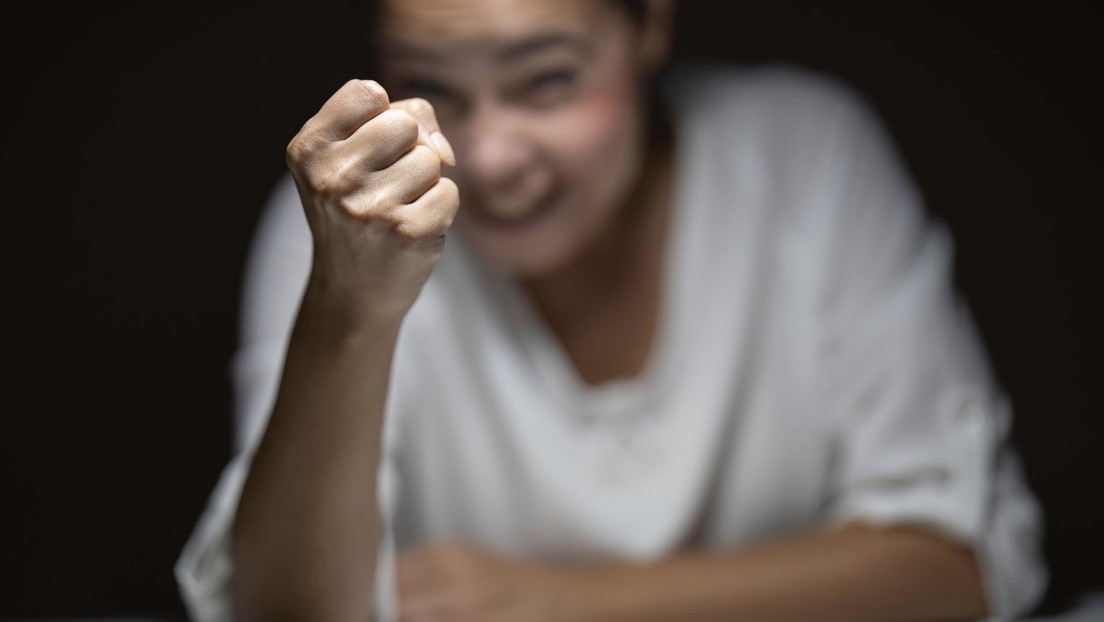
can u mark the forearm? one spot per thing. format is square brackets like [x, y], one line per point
[854, 574]
[306, 531]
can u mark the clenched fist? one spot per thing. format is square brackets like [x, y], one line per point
[368, 172]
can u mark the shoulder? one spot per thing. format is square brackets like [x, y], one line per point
[780, 109]
[776, 90]
[802, 151]
[792, 132]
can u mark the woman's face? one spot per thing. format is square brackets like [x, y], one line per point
[541, 102]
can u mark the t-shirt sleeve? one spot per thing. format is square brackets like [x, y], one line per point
[275, 276]
[920, 427]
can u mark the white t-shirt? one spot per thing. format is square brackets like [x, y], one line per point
[812, 365]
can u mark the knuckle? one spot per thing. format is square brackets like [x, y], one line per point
[354, 207]
[423, 156]
[400, 125]
[449, 203]
[424, 163]
[305, 145]
[421, 106]
[298, 150]
[319, 183]
[349, 206]
[327, 178]
[423, 235]
[450, 193]
[366, 94]
[369, 204]
[295, 152]
[449, 187]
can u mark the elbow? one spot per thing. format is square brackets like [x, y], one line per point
[946, 575]
[266, 589]
[278, 605]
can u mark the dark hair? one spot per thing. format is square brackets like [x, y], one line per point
[635, 8]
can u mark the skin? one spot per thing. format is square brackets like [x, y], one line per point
[307, 527]
[533, 127]
[559, 134]
[565, 184]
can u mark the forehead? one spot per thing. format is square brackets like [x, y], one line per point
[463, 22]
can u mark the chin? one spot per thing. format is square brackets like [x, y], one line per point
[521, 258]
[531, 247]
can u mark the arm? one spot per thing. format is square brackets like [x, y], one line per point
[853, 574]
[307, 528]
[306, 531]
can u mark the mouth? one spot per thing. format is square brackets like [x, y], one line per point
[514, 215]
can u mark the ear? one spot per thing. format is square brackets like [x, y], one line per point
[656, 33]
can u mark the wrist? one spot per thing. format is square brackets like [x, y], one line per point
[334, 313]
[338, 331]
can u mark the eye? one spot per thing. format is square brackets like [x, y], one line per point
[445, 101]
[426, 89]
[552, 80]
[550, 87]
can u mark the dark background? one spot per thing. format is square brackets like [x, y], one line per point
[140, 141]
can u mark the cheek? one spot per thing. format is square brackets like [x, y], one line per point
[597, 144]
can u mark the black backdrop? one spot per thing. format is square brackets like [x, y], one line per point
[140, 139]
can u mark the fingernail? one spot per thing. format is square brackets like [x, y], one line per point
[443, 147]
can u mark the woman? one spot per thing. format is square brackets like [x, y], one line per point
[690, 353]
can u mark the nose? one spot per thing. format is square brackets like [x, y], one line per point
[500, 149]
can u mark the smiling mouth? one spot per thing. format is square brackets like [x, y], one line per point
[506, 215]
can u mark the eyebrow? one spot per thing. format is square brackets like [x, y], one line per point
[512, 53]
[540, 43]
